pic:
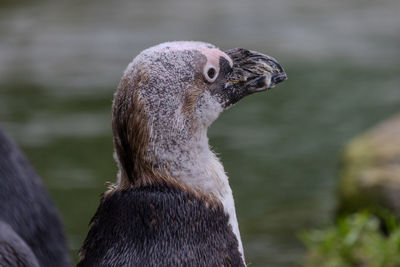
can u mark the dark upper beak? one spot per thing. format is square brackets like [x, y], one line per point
[251, 72]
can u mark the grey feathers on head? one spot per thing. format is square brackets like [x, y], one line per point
[172, 204]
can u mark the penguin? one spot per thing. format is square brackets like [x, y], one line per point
[31, 232]
[172, 204]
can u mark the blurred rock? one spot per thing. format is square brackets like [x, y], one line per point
[370, 170]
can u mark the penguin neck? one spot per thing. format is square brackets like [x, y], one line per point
[193, 163]
[189, 159]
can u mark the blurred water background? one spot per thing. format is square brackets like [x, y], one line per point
[60, 62]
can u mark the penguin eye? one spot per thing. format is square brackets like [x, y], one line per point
[210, 73]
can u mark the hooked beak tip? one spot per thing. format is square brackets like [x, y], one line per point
[268, 81]
[278, 78]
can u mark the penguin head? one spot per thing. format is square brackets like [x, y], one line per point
[171, 93]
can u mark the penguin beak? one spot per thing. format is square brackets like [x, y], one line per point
[251, 72]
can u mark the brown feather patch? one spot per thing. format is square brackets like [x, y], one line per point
[190, 100]
[192, 95]
[131, 130]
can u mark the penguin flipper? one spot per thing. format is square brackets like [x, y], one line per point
[14, 252]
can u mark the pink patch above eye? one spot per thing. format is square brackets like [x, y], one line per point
[213, 56]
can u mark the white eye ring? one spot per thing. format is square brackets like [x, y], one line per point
[210, 73]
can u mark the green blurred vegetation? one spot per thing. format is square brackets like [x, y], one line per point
[360, 239]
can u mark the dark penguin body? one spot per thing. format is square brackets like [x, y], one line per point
[31, 233]
[172, 204]
[160, 225]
